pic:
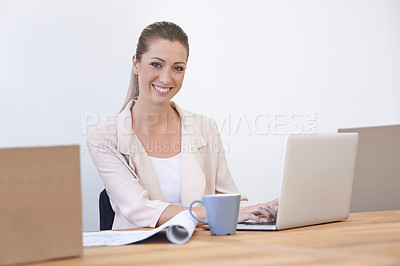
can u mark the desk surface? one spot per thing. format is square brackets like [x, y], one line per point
[364, 239]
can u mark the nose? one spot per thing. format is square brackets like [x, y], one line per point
[165, 77]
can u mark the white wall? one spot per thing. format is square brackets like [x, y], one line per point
[262, 69]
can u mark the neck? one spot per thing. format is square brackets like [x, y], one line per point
[151, 116]
[144, 107]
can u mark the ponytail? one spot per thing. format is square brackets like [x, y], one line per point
[133, 90]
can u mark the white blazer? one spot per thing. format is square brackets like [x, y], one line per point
[129, 177]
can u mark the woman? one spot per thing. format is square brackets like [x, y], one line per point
[156, 158]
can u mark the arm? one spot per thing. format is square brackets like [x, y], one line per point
[253, 212]
[128, 196]
[173, 210]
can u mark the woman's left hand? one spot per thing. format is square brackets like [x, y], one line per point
[259, 212]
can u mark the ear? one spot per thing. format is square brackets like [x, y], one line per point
[135, 64]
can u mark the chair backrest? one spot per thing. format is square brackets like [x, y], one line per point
[106, 211]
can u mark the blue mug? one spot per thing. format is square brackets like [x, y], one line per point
[222, 212]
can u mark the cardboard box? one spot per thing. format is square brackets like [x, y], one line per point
[40, 204]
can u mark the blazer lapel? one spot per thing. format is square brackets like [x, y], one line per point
[193, 180]
[146, 172]
[129, 144]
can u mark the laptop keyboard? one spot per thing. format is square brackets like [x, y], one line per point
[256, 223]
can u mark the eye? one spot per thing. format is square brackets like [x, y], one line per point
[156, 65]
[179, 68]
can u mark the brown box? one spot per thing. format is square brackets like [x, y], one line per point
[40, 204]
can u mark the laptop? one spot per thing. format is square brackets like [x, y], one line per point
[317, 181]
[40, 202]
[377, 179]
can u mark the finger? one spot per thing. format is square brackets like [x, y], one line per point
[265, 213]
[246, 213]
[272, 211]
[256, 218]
[249, 216]
[274, 203]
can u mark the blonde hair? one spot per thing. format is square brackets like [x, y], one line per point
[158, 30]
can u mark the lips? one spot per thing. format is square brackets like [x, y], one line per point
[161, 90]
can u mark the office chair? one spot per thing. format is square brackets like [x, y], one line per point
[106, 211]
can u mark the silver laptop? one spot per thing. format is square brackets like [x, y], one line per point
[317, 181]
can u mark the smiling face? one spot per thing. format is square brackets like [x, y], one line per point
[161, 71]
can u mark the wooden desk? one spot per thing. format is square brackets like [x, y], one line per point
[364, 239]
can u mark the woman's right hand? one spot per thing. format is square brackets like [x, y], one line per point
[259, 212]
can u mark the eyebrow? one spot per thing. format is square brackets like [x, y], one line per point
[164, 60]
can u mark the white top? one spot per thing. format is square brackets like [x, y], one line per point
[168, 171]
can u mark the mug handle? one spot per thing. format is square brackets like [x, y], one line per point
[194, 216]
